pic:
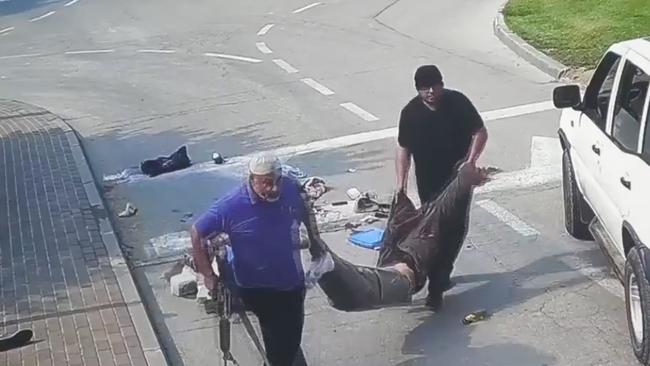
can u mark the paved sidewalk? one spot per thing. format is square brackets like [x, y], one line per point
[61, 271]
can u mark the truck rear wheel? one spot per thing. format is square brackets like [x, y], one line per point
[572, 201]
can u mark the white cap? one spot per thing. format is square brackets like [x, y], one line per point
[265, 163]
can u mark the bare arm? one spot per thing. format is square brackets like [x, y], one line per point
[402, 167]
[479, 139]
[200, 254]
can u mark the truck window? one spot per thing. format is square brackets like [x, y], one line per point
[628, 109]
[598, 92]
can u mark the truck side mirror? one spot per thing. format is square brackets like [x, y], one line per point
[567, 96]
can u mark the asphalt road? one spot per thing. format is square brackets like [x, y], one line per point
[139, 79]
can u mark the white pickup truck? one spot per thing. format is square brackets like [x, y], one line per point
[605, 136]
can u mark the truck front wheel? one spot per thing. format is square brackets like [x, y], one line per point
[572, 201]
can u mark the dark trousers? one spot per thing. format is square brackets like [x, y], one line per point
[281, 315]
[453, 236]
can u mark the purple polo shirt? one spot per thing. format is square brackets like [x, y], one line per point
[264, 236]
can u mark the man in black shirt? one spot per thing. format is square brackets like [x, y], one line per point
[442, 130]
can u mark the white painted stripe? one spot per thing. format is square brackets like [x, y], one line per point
[265, 29]
[6, 30]
[545, 151]
[43, 16]
[300, 10]
[263, 48]
[19, 56]
[285, 66]
[317, 86]
[157, 51]
[88, 52]
[519, 110]
[507, 217]
[521, 179]
[232, 57]
[501, 182]
[359, 112]
[71, 3]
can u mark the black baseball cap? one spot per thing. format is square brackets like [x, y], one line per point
[427, 76]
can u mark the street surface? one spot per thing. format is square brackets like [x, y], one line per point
[323, 84]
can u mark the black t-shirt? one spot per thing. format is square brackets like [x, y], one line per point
[438, 139]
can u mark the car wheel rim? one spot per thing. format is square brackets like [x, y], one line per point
[636, 311]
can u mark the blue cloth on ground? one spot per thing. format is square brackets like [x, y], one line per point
[370, 239]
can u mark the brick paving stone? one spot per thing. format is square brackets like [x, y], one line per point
[55, 275]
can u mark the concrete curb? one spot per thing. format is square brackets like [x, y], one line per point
[148, 340]
[522, 48]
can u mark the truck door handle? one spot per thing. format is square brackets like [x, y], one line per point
[626, 183]
[596, 149]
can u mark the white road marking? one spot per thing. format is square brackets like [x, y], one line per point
[502, 182]
[285, 66]
[19, 56]
[263, 48]
[232, 57]
[507, 218]
[88, 52]
[317, 86]
[71, 3]
[519, 110]
[359, 111]
[300, 10]
[265, 29]
[545, 151]
[43, 16]
[6, 30]
[157, 51]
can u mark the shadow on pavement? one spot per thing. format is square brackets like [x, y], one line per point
[9, 7]
[441, 339]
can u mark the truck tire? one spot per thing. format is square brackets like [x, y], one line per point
[572, 201]
[637, 305]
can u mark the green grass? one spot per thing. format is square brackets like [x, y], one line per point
[577, 32]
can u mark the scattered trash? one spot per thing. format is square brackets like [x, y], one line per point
[294, 172]
[365, 204]
[381, 215]
[369, 219]
[475, 316]
[125, 175]
[339, 203]
[186, 217]
[184, 284]
[315, 187]
[217, 158]
[352, 225]
[352, 170]
[176, 161]
[129, 210]
[370, 239]
[493, 170]
[353, 193]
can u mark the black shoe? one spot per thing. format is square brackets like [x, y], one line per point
[434, 302]
[449, 285]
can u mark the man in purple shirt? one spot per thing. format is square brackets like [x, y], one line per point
[262, 218]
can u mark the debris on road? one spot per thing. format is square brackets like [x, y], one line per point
[166, 164]
[294, 172]
[369, 239]
[217, 158]
[124, 176]
[184, 284]
[129, 210]
[315, 187]
[475, 316]
[187, 216]
[352, 170]
[353, 193]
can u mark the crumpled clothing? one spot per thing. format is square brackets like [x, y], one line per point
[317, 268]
[166, 164]
[314, 187]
